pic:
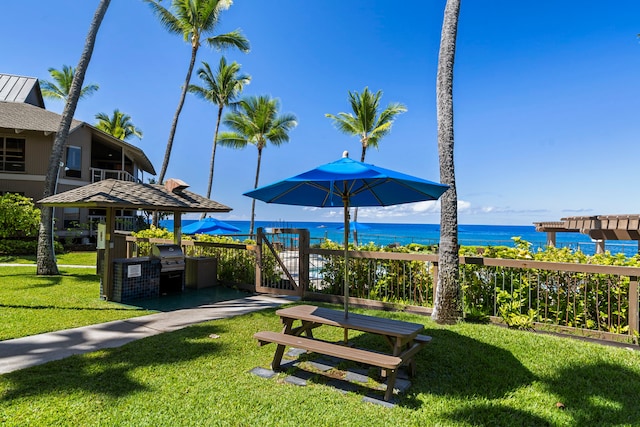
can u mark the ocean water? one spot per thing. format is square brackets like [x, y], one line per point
[479, 235]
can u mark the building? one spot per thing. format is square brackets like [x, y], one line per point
[27, 133]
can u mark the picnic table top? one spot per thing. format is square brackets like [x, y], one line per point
[355, 321]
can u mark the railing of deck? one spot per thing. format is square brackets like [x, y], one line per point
[98, 174]
[588, 299]
[585, 297]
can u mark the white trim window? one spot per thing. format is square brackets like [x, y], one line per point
[73, 163]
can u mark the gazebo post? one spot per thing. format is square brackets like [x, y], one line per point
[177, 228]
[551, 239]
[107, 276]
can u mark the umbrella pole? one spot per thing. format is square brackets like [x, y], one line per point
[346, 257]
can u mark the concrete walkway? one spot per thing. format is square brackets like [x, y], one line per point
[34, 350]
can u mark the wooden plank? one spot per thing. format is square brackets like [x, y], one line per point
[422, 339]
[360, 322]
[355, 354]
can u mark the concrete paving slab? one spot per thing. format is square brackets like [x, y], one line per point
[34, 350]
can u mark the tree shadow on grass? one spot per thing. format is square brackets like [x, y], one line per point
[598, 394]
[459, 366]
[109, 372]
[496, 415]
[30, 280]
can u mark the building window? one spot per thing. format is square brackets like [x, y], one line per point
[73, 165]
[70, 218]
[12, 154]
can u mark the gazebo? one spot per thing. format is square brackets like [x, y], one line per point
[599, 227]
[111, 194]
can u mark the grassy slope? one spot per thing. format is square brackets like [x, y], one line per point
[469, 375]
[31, 304]
[70, 258]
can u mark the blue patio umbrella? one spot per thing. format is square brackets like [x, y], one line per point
[345, 183]
[209, 226]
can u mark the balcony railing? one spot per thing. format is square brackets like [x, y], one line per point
[102, 174]
[123, 223]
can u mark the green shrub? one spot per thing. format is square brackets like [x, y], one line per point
[18, 217]
[24, 247]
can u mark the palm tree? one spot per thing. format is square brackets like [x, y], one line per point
[221, 89]
[119, 125]
[447, 307]
[193, 19]
[63, 80]
[46, 261]
[366, 122]
[257, 123]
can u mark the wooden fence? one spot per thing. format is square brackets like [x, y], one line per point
[586, 299]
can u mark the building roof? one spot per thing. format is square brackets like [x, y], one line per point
[130, 195]
[20, 89]
[21, 116]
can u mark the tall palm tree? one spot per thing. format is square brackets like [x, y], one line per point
[221, 88]
[194, 19]
[366, 122]
[59, 89]
[447, 307]
[46, 261]
[256, 122]
[118, 125]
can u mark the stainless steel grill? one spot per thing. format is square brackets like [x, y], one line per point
[171, 257]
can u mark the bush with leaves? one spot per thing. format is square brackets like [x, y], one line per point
[19, 218]
[234, 266]
[583, 300]
[383, 280]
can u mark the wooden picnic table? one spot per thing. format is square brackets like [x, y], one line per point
[403, 337]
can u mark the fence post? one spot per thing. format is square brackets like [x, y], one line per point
[258, 250]
[435, 282]
[303, 260]
[633, 305]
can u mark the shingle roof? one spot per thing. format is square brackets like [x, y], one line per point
[16, 115]
[131, 195]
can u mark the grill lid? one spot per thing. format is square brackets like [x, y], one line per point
[170, 256]
[166, 251]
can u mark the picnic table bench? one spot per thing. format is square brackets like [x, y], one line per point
[404, 337]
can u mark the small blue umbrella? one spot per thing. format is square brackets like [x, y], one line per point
[346, 183]
[355, 226]
[209, 226]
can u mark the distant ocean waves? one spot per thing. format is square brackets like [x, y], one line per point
[403, 234]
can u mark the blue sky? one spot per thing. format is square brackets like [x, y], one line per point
[546, 96]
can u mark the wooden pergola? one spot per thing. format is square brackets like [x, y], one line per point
[111, 194]
[599, 227]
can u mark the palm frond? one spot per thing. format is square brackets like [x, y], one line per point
[167, 19]
[228, 40]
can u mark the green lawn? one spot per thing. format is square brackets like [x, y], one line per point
[69, 258]
[31, 304]
[470, 375]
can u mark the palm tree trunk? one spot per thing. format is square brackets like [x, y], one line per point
[46, 261]
[213, 156]
[447, 307]
[174, 124]
[255, 185]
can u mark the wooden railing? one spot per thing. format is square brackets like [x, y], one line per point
[591, 299]
[585, 299]
[98, 174]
